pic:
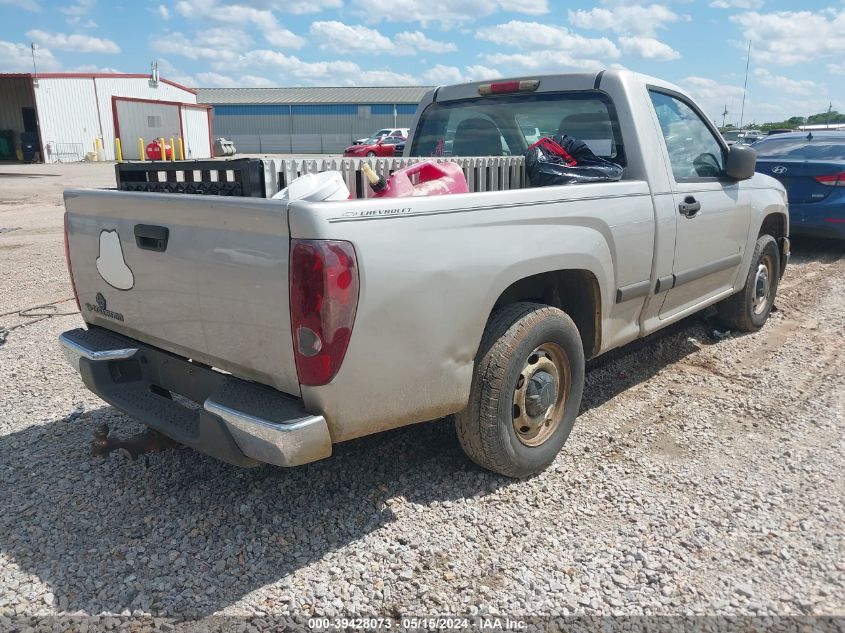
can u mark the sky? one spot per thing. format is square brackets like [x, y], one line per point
[797, 49]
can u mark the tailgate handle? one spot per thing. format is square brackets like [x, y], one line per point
[151, 237]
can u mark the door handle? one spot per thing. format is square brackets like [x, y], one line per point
[689, 207]
[150, 237]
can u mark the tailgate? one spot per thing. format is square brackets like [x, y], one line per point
[204, 277]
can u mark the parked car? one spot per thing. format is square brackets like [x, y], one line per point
[812, 168]
[397, 131]
[374, 313]
[385, 146]
[532, 133]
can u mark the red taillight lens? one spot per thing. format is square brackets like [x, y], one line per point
[832, 180]
[323, 301]
[504, 87]
[70, 268]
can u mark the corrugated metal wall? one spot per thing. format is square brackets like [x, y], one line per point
[67, 113]
[15, 94]
[73, 111]
[318, 129]
[195, 132]
[142, 119]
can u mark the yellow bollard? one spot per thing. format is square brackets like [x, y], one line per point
[172, 150]
[141, 149]
[118, 151]
[181, 149]
[97, 144]
[161, 147]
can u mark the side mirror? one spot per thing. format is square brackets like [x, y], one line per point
[741, 162]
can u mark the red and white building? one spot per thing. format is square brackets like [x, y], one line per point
[67, 111]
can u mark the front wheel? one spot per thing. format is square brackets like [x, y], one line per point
[748, 309]
[370, 154]
[526, 390]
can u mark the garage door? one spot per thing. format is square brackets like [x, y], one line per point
[147, 120]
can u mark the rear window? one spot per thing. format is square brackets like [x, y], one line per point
[506, 125]
[819, 148]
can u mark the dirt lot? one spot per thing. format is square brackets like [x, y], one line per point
[703, 476]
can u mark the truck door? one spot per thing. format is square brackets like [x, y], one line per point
[712, 219]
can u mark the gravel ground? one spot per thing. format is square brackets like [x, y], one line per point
[704, 476]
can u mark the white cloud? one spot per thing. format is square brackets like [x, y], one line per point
[477, 72]
[93, 68]
[784, 84]
[648, 48]
[334, 35]
[836, 69]
[307, 6]
[736, 4]
[713, 97]
[75, 42]
[790, 37]
[163, 12]
[178, 44]
[383, 78]
[216, 80]
[173, 73]
[289, 6]
[224, 38]
[26, 5]
[446, 13]
[81, 7]
[291, 69]
[533, 35]
[17, 58]
[240, 15]
[634, 19]
[547, 61]
[417, 41]
[440, 75]
[79, 22]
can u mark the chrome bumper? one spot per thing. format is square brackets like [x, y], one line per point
[240, 422]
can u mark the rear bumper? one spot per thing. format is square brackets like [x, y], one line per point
[231, 419]
[820, 219]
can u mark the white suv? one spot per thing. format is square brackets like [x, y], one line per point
[396, 131]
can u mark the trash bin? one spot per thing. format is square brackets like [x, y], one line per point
[29, 146]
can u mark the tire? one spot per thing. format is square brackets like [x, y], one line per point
[370, 154]
[749, 309]
[499, 402]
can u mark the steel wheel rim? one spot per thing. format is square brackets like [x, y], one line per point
[540, 395]
[762, 288]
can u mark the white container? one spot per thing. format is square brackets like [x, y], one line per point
[327, 185]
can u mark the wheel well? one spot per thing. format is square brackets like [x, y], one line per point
[774, 224]
[576, 292]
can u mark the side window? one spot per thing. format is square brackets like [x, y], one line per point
[694, 151]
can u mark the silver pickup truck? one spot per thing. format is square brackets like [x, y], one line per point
[287, 327]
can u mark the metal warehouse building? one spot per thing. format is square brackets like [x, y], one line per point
[307, 120]
[55, 117]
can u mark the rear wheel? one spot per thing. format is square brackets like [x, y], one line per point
[526, 390]
[748, 309]
[371, 154]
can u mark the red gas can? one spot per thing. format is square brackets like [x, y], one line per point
[432, 179]
[154, 151]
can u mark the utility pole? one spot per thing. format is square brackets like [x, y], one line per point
[724, 114]
[745, 85]
[827, 119]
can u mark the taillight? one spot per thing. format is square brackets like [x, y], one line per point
[504, 87]
[70, 268]
[832, 180]
[323, 301]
